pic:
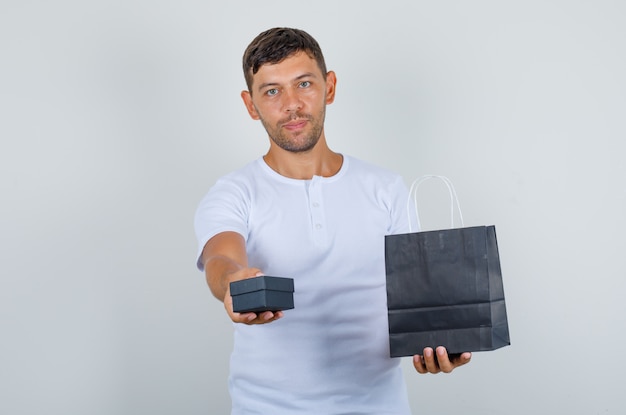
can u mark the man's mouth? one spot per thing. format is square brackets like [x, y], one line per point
[295, 125]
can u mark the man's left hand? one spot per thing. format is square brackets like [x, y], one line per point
[435, 361]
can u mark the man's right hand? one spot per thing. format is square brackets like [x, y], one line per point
[225, 261]
[248, 318]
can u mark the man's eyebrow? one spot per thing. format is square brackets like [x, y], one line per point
[267, 84]
[297, 78]
[305, 75]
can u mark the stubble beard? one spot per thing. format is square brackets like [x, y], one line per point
[301, 142]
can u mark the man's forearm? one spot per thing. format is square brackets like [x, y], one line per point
[218, 269]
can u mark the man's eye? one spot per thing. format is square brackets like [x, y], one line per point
[271, 92]
[305, 84]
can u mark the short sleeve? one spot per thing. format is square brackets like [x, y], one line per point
[399, 195]
[224, 208]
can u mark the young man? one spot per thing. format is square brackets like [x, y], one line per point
[305, 212]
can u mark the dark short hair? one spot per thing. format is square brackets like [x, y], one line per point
[274, 45]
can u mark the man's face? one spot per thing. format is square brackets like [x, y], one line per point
[290, 99]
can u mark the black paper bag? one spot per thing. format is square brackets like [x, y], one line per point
[444, 288]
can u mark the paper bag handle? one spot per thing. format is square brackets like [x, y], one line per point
[454, 200]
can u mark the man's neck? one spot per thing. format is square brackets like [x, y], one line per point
[319, 161]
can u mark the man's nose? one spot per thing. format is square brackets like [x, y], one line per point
[291, 101]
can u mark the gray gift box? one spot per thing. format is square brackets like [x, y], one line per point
[264, 293]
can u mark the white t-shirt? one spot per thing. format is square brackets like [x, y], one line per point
[330, 354]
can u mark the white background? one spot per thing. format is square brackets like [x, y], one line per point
[117, 116]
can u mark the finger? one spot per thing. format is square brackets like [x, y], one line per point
[431, 361]
[264, 317]
[269, 316]
[443, 360]
[418, 363]
[462, 359]
[245, 318]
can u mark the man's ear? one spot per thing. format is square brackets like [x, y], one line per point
[247, 100]
[331, 84]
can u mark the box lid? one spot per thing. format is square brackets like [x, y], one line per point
[263, 282]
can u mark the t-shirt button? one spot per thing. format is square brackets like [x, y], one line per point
[318, 226]
[315, 204]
